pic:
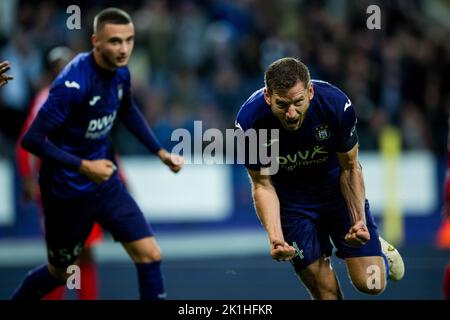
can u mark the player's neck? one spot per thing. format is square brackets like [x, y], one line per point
[102, 64]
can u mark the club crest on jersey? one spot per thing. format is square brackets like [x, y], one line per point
[120, 91]
[322, 132]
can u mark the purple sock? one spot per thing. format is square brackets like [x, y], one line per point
[36, 285]
[151, 283]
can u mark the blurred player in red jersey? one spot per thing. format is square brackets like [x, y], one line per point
[28, 166]
[443, 236]
[4, 78]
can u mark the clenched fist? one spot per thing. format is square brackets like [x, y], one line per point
[97, 171]
[281, 250]
[173, 161]
[358, 235]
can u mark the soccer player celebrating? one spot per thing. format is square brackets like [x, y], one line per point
[318, 192]
[78, 178]
[4, 78]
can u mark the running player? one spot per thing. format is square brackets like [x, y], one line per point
[28, 168]
[318, 192]
[78, 179]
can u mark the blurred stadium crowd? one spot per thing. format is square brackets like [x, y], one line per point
[199, 60]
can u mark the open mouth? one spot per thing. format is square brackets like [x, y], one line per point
[292, 123]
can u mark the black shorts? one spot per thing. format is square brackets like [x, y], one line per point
[314, 237]
[68, 223]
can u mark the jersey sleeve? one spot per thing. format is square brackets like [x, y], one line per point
[347, 136]
[64, 95]
[249, 139]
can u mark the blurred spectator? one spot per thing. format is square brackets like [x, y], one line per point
[199, 59]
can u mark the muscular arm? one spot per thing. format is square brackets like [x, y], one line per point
[352, 184]
[267, 208]
[266, 204]
[352, 188]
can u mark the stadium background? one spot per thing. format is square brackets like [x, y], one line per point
[199, 60]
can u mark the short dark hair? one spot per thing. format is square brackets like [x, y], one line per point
[110, 15]
[284, 73]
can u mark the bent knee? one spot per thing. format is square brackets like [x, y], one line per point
[148, 256]
[144, 250]
[368, 287]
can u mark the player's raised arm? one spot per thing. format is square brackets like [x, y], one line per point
[267, 208]
[353, 190]
[4, 78]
